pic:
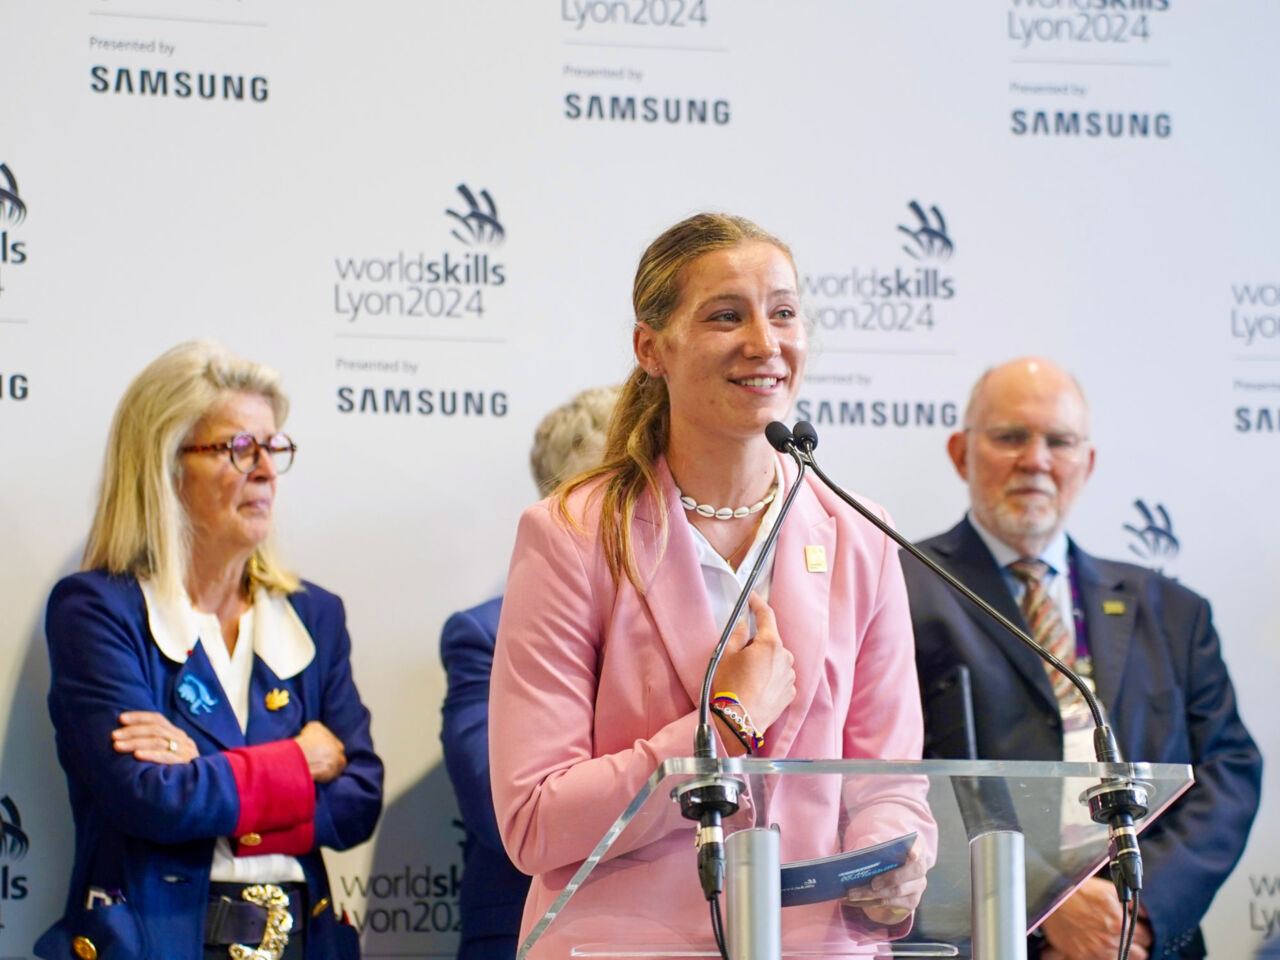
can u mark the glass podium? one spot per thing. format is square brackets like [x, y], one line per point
[999, 839]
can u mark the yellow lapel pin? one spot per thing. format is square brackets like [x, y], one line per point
[1113, 608]
[815, 558]
[277, 699]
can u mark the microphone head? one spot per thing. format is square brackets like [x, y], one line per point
[779, 436]
[805, 435]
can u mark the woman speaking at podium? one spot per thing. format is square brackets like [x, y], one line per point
[620, 584]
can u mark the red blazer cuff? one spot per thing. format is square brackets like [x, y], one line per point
[275, 787]
[295, 841]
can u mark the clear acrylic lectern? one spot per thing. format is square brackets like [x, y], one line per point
[1005, 842]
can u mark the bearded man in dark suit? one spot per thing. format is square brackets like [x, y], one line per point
[1146, 643]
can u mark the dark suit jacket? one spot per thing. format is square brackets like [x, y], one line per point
[1159, 673]
[147, 830]
[493, 891]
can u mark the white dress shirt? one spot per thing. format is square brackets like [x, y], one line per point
[724, 583]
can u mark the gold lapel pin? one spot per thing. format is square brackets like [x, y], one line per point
[1113, 607]
[815, 558]
[277, 699]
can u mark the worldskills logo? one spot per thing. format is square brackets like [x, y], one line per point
[412, 285]
[13, 839]
[478, 225]
[1153, 536]
[928, 238]
[12, 208]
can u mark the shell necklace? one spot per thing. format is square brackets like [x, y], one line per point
[727, 513]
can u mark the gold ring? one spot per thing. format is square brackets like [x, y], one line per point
[173, 746]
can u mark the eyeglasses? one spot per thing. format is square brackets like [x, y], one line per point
[244, 450]
[1012, 441]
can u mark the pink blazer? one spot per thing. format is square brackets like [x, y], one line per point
[595, 684]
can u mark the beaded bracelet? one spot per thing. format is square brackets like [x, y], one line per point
[729, 708]
[735, 727]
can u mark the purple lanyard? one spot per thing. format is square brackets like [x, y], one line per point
[1077, 612]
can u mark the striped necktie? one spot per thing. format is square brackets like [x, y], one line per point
[1047, 628]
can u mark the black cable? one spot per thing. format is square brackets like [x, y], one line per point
[1127, 941]
[1125, 932]
[717, 927]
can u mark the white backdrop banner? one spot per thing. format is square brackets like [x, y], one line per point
[427, 215]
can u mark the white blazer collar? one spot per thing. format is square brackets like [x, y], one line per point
[279, 638]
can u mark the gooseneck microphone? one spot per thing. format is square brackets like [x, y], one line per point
[1115, 802]
[781, 440]
[709, 800]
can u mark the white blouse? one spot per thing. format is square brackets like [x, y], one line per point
[269, 629]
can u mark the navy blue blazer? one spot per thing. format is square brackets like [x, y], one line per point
[493, 891]
[145, 831]
[1158, 671]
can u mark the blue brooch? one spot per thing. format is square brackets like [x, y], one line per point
[197, 695]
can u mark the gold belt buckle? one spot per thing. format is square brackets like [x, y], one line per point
[275, 935]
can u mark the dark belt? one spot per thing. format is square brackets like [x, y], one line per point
[231, 919]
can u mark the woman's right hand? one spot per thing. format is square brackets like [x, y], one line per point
[760, 671]
[326, 756]
[153, 738]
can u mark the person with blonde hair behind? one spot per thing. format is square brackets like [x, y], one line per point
[569, 440]
[621, 582]
[205, 714]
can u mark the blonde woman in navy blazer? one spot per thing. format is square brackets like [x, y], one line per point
[202, 698]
